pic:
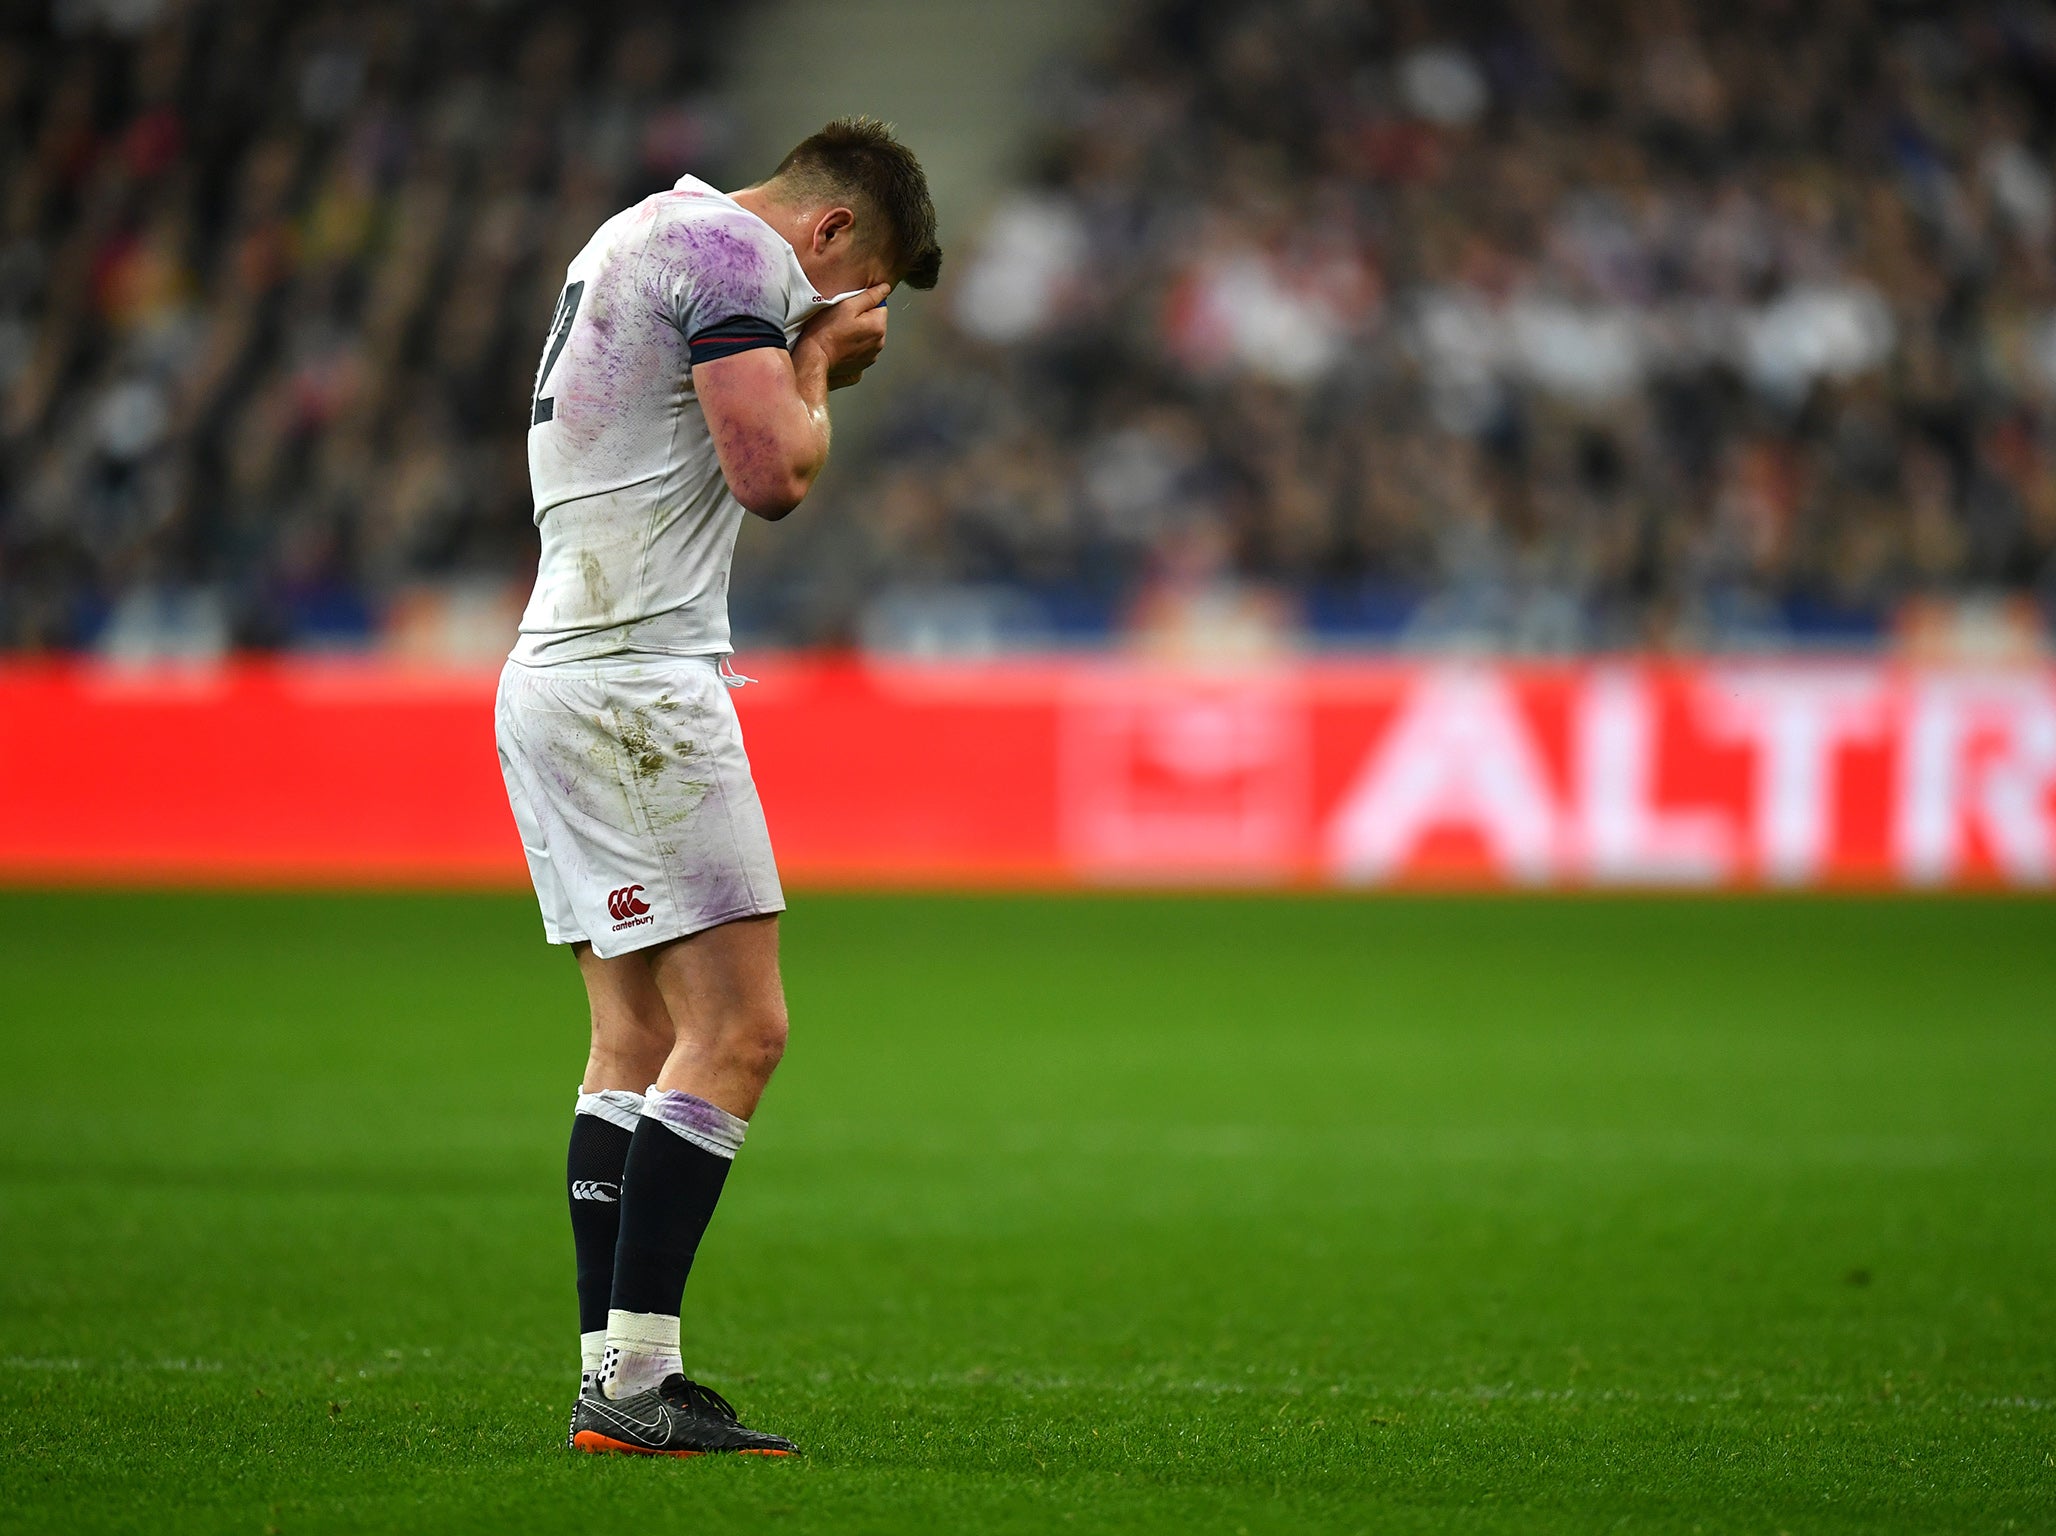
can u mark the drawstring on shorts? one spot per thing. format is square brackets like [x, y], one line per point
[724, 670]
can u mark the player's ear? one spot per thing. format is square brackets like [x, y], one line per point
[835, 224]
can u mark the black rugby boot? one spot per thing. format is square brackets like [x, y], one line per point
[679, 1418]
[588, 1386]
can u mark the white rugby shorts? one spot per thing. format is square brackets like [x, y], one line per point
[634, 799]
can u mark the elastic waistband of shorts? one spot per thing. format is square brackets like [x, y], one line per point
[622, 664]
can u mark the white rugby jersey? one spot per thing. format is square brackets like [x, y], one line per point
[638, 524]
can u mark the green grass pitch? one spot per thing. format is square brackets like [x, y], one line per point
[1094, 1214]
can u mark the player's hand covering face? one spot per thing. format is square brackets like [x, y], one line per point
[849, 335]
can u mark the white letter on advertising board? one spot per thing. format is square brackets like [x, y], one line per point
[1459, 756]
[1795, 719]
[1622, 835]
[1978, 751]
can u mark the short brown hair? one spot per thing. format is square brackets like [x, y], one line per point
[861, 158]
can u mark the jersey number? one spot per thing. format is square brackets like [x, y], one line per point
[544, 407]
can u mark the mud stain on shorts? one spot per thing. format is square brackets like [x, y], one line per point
[639, 740]
[667, 772]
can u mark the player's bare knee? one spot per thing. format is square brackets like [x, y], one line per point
[767, 1036]
[756, 1042]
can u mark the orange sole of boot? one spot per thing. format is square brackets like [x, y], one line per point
[591, 1440]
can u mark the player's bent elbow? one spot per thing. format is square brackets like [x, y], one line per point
[770, 509]
[772, 498]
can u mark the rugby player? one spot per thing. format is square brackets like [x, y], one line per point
[683, 383]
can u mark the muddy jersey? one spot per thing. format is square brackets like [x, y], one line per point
[638, 525]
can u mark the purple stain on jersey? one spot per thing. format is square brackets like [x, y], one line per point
[727, 265]
[692, 272]
[609, 364]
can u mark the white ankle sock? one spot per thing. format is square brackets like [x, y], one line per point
[592, 1349]
[641, 1350]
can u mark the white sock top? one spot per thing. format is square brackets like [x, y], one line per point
[616, 1106]
[705, 1125]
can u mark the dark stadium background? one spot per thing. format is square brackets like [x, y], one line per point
[1543, 328]
[1598, 447]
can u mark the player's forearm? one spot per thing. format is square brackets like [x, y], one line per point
[768, 414]
[810, 383]
[802, 444]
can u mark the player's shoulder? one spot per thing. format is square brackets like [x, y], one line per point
[702, 231]
[713, 258]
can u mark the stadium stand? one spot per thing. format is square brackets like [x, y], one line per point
[272, 278]
[1534, 326]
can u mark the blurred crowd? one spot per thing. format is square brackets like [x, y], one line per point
[1531, 324]
[1539, 324]
[273, 279]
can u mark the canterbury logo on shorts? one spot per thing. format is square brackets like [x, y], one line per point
[627, 907]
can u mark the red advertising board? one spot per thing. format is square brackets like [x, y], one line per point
[1612, 772]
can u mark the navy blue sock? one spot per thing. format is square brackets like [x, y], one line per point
[600, 1135]
[669, 1189]
[677, 1162]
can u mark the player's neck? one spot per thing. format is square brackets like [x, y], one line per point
[758, 200]
[787, 218]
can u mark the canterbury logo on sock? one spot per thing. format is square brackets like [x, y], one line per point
[594, 1189]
